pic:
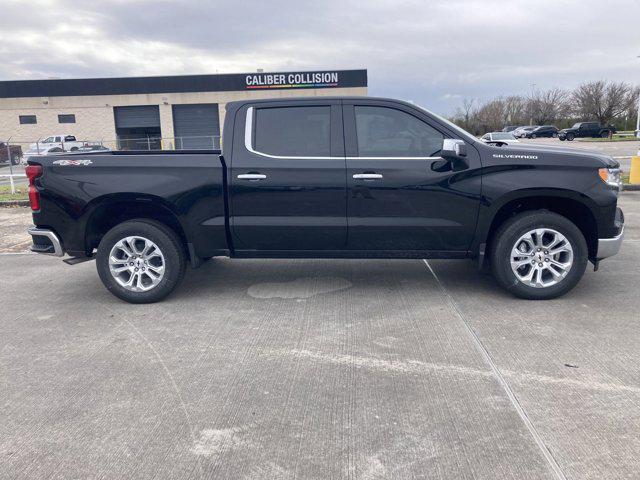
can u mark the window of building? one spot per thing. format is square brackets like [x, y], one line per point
[27, 119]
[387, 132]
[67, 118]
[294, 131]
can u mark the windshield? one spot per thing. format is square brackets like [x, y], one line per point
[576, 125]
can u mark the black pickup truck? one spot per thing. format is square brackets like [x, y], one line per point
[586, 129]
[330, 178]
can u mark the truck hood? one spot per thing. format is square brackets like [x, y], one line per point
[558, 155]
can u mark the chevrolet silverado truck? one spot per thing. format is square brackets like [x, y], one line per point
[330, 178]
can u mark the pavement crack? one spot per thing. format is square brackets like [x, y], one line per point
[168, 374]
[553, 464]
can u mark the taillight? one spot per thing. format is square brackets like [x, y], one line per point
[33, 171]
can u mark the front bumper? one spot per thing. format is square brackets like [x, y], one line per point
[45, 242]
[608, 247]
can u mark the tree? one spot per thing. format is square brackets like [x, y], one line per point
[603, 101]
[465, 114]
[547, 106]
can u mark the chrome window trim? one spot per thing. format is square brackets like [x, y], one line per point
[248, 144]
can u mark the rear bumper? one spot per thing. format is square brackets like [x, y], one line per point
[45, 242]
[608, 247]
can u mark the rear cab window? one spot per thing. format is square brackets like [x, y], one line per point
[299, 131]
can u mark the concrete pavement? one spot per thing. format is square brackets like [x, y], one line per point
[319, 369]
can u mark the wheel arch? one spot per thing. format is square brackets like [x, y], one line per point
[107, 212]
[570, 205]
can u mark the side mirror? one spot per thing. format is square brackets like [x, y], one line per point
[452, 148]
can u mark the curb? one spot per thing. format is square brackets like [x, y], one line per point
[15, 203]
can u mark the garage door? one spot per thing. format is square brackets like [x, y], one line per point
[196, 126]
[143, 116]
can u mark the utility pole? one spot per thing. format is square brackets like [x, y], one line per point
[533, 88]
[638, 119]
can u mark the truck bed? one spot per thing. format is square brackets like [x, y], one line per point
[91, 189]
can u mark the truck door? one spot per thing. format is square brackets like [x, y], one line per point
[287, 181]
[401, 194]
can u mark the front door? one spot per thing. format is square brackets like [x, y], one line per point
[288, 187]
[401, 194]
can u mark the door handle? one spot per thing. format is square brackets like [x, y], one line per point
[252, 176]
[367, 176]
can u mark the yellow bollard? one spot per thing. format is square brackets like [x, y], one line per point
[634, 176]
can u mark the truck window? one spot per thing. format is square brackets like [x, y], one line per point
[48, 140]
[69, 138]
[294, 131]
[387, 132]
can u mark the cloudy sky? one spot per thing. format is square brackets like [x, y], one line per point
[433, 52]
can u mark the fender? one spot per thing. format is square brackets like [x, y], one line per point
[545, 196]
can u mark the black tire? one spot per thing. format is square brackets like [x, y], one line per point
[508, 234]
[554, 135]
[533, 135]
[74, 149]
[15, 159]
[604, 134]
[562, 139]
[570, 137]
[169, 243]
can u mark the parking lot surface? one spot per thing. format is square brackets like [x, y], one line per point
[318, 369]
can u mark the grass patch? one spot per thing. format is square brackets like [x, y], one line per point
[6, 196]
[616, 138]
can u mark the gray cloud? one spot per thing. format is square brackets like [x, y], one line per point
[432, 52]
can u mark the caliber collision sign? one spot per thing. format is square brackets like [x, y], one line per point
[293, 80]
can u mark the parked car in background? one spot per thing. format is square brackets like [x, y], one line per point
[93, 148]
[68, 143]
[499, 139]
[547, 131]
[509, 128]
[586, 129]
[520, 132]
[11, 153]
[41, 151]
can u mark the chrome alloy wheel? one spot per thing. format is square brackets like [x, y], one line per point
[541, 258]
[136, 263]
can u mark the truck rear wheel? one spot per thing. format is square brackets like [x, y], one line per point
[141, 261]
[538, 255]
[570, 137]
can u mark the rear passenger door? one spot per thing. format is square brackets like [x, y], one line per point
[287, 183]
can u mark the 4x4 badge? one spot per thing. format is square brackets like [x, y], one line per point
[72, 163]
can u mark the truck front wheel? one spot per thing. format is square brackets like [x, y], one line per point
[141, 261]
[538, 255]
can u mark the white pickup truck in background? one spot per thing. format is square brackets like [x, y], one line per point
[68, 143]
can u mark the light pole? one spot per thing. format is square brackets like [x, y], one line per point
[533, 90]
[638, 119]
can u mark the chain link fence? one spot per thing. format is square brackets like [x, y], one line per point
[14, 153]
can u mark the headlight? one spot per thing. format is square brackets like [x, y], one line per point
[611, 176]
